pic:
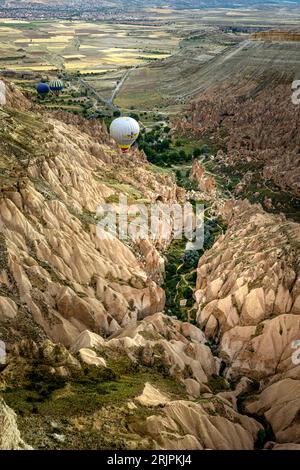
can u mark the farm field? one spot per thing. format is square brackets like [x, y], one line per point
[99, 53]
[151, 65]
[90, 48]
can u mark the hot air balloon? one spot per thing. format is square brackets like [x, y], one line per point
[42, 89]
[125, 131]
[56, 86]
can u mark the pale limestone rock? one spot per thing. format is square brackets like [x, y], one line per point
[131, 405]
[8, 308]
[87, 339]
[253, 311]
[193, 388]
[269, 302]
[213, 289]
[283, 300]
[2, 93]
[296, 305]
[176, 442]
[88, 356]
[204, 313]
[261, 351]
[151, 397]
[211, 327]
[182, 351]
[200, 427]
[226, 313]
[239, 295]
[10, 437]
[286, 446]
[85, 282]
[280, 403]
[2, 353]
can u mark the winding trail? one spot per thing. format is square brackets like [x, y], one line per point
[121, 83]
[107, 102]
[100, 98]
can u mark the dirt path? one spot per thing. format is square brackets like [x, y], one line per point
[100, 98]
[121, 83]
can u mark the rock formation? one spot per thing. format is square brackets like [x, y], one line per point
[10, 438]
[89, 349]
[53, 263]
[205, 183]
[242, 120]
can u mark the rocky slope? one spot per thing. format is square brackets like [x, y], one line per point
[243, 106]
[92, 360]
[242, 121]
[10, 438]
[53, 265]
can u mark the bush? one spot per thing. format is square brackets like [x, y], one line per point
[134, 116]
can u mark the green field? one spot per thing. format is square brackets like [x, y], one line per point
[148, 66]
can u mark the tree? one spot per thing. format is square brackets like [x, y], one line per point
[196, 152]
[134, 116]
[205, 149]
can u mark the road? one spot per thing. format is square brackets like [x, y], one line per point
[121, 83]
[100, 98]
[108, 102]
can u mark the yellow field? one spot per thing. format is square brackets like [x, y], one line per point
[83, 46]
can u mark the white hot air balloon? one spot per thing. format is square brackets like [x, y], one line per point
[125, 131]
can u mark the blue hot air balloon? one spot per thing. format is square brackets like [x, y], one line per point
[56, 86]
[42, 89]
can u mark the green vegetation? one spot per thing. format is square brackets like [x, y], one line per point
[256, 189]
[93, 395]
[181, 265]
[264, 435]
[217, 383]
[183, 180]
[164, 150]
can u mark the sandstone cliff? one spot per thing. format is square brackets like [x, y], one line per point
[255, 121]
[54, 269]
[10, 438]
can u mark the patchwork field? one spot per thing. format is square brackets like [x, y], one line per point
[151, 64]
[86, 47]
[100, 53]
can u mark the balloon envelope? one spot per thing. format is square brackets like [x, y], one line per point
[42, 88]
[56, 85]
[125, 131]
